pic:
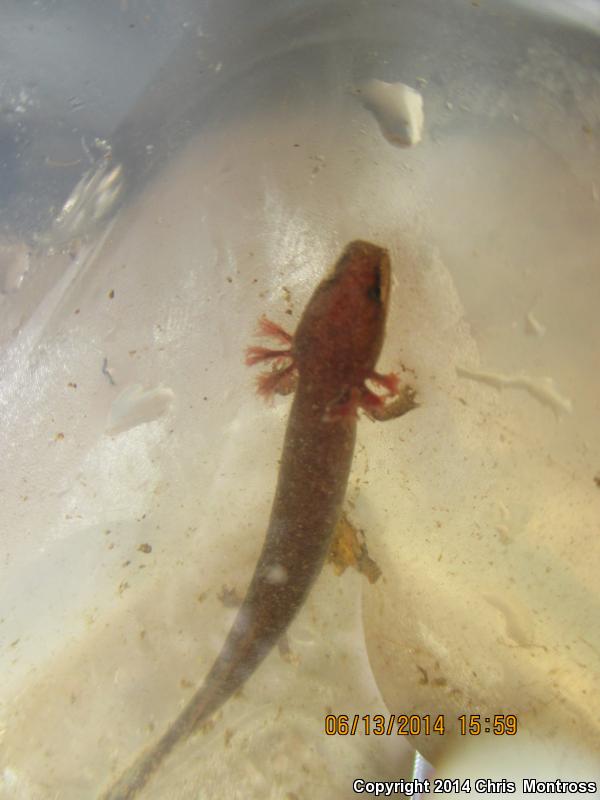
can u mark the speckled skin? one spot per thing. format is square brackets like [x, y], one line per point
[334, 351]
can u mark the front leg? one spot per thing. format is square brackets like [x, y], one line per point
[378, 407]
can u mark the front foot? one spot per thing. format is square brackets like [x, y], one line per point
[404, 402]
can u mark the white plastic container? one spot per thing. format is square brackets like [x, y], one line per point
[220, 181]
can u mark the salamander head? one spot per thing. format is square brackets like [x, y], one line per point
[367, 267]
[341, 331]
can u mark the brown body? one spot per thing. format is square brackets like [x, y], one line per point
[335, 349]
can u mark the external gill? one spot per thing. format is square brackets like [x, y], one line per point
[283, 377]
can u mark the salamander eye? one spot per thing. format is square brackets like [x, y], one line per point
[374, 292]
